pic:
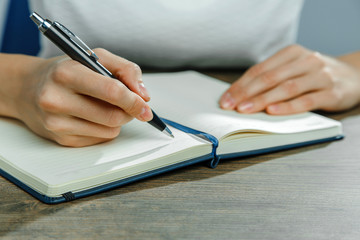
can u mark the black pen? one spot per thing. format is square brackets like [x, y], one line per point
[73, 46]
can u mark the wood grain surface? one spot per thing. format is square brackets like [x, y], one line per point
[305, 193]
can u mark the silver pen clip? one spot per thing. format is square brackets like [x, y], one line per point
[77, 40]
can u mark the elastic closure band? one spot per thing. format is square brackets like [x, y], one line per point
[69, 196]
[215, 142]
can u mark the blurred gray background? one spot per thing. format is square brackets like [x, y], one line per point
[330, 26]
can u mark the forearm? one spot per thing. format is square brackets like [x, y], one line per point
[352, 59]
[14, 70]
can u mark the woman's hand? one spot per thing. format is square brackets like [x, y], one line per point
[295, 80]
[67, 102]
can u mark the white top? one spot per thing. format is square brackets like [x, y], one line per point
[3, 16]
[174, 33]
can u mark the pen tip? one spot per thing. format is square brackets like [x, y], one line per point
[168, 132]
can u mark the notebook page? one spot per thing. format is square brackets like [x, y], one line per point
[192, 99]
[52, 164]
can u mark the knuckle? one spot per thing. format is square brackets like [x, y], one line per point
[53, 124]
[46, 101]
[290, 88]
[286, 108]
[307, 103]
[256, 70]
[135, 68]
[113, 132]
[316, 59]
[326, 75]
[290, 108]
[337, 97]
[132, 68]
[114, 90]
[269, 79]
[101, 51]
[236, 93]
[114, 118]
[68, 141]
[240, 95]
[295, 48]
[135, 107]
[60, 74]
[260, 102]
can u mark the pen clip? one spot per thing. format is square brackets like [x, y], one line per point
[76, 40]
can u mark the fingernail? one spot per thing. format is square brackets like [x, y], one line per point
[245, 106]
[227, 102]
[143, 91]
[145, 114]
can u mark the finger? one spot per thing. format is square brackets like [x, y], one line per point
[272, 79]
[236, 92]
[282, 57]
[61, 126]
[78, 141]
[100, 112]
[285, 91]
[127, 72]
[304, 103]
[86, 108]
[103, 88]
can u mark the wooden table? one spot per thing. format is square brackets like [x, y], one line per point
[306, 193]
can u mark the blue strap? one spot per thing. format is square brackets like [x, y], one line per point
[215, 142]
[20, 33]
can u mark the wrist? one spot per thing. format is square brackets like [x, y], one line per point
[15, 70]
[352, 59]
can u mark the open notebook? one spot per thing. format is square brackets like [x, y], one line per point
[188, 102]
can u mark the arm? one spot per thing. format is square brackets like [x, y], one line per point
[296, 80]
[352, 59]
[64, 101]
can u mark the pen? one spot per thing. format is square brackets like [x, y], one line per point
[73, 46]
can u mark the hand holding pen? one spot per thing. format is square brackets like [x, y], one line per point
[64, 101]
[76, 106]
